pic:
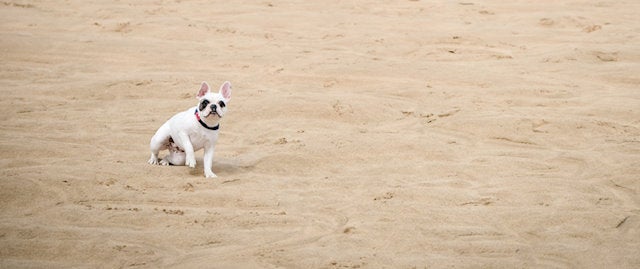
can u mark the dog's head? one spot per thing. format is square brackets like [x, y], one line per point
[212, 106]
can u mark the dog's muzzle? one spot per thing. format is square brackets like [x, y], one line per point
[214, 109]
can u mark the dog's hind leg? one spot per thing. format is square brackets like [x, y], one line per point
[159, 141]
[176, 155]
[174, 158]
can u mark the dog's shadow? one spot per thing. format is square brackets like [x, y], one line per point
[230, 166]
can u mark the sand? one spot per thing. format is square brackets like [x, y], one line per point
[360, 134]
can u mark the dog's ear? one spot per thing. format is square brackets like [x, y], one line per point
[204, 89]
[225, 90]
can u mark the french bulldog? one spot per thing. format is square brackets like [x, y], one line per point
[192, 130]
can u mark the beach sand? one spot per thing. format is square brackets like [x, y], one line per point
[360, 134]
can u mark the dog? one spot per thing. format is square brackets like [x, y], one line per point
[192, 130]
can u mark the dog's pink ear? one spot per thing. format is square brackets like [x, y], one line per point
[204, 89]
[225, 90]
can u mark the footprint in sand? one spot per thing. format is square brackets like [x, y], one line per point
[606, 56]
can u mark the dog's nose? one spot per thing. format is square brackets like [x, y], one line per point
[213, 107]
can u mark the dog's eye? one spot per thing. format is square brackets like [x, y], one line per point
[203, 104]
[221, 104]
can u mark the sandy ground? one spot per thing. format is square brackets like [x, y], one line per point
[361, 134]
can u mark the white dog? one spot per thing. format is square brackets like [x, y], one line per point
[191, 130]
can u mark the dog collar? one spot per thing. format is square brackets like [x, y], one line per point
[204, 124]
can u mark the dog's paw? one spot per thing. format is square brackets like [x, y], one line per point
[209, 174]
[190, 162]
[164, 162]
[153, 160]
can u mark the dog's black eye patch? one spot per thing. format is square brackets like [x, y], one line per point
[203, 104]
[221, 104]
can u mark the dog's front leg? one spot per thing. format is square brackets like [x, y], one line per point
[208, 161]
[188, 150]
